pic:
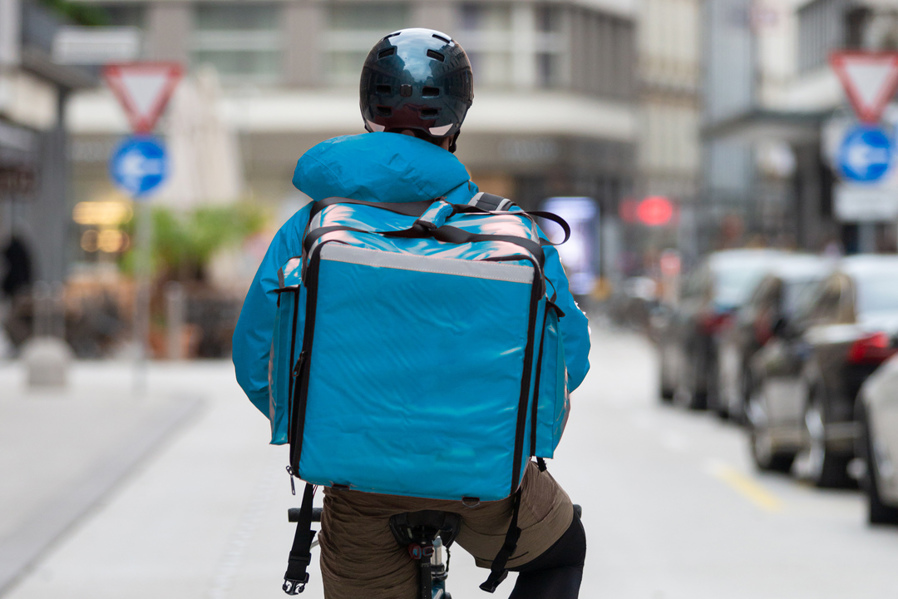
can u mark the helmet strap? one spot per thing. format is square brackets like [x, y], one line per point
[453, 146]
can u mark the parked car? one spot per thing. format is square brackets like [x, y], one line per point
[804, 381]
[877, 444]
[775, 297]
[687, 338]
[633, 304]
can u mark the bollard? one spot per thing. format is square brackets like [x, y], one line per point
[47, 361]
[46, 356]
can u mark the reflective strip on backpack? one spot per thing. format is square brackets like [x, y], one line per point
[496, 271]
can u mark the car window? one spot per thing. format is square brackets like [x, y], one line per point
[876, 293]
[797, 295]
[761, 295]
[693, 287]
[733, 286]
[827, 306]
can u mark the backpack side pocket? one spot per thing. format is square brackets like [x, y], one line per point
[286, 345]
[554, 400]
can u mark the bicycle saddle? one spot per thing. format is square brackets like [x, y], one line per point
[424, 526]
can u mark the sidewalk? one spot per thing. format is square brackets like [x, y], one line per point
[63, 450]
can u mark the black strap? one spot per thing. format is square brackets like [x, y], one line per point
[316, 234]
[498, 571]
[555, 219]
[404, 208]
[484, 207]
[536, 384]
[455, 235]
[296, 577]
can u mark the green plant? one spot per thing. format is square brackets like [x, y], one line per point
[185, 242]
[78, 13]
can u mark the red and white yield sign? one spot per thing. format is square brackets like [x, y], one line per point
[869, 79]
[143, 89]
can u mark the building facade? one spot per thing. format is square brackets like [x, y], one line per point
[555, 87]
[770, 98]
[35, 187]
[669, 100]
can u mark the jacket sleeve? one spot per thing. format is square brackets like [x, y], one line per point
[253, 333]
[574, 325]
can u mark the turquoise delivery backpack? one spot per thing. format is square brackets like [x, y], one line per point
[417, 350]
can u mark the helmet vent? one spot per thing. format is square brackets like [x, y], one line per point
[385, 53]
[384, 110]
[440, 37]
[430, 92]
[429, 113]
[384, 89]
[436, 55]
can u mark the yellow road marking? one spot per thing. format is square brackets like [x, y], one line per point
[747, 487]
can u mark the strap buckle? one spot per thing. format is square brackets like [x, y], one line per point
[295, 587]
[435, 216]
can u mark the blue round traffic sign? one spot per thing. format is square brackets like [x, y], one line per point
[138, 165]
[865, 155]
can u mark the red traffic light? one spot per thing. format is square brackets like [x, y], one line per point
[655, 211]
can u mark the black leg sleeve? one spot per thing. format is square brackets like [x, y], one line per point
[556, 574]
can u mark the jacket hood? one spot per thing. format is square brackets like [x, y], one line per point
[381, 167]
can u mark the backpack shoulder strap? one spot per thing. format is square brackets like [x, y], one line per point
[490, 202]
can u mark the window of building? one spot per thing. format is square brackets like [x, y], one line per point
[486, 34]
[352, 30]
[124, 15]
[550, 47]
[603, 62]
[513, 45]
[242, 41]
[821, 29]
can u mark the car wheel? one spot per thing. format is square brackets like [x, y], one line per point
[825, 468]
[878, 512]
[715, 395]
[666, 393]
[665, 390]
[738, 413]
[712, 382]
[764, 453]
[688, 392]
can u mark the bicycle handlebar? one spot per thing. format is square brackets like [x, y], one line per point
[293, 514]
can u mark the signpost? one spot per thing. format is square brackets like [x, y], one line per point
[139, 165]
[143, 89]
[865, 155]
[869, 80]
[863, 159]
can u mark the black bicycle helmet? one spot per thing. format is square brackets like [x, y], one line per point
[418, 80]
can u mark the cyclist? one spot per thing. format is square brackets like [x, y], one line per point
[416, 88]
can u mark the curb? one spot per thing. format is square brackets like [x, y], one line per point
[36, 535]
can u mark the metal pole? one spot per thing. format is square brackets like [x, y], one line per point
[142, 245]
[866, 233]
[175, 315]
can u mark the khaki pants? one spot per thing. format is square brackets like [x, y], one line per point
[360, 557]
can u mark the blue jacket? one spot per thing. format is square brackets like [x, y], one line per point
[378, 167]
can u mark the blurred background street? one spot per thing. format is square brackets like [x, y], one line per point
[728, 170]
[672, 503]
